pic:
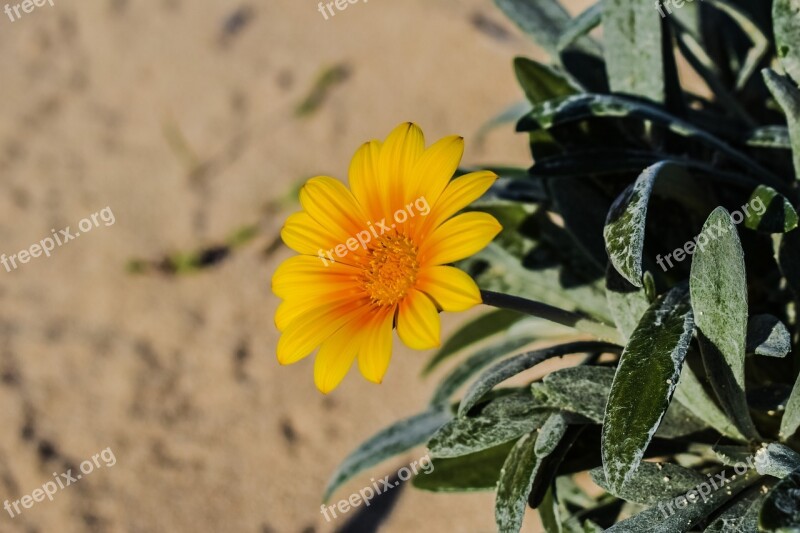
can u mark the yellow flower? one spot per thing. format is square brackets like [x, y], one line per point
[373, 257]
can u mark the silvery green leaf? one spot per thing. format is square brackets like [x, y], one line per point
[718, 286]
[766, 335]
[468, 473]
[393, 440]
[646, 377]
[788, 96]
[514, 365]
[514, 486]
[791, 415]
[652, 482]
[786, 21]
[581, 25]
[776, 460]
[633, 49]
[625, 225]
[580, 389]
[626, 302]
[741, 516]
[692, 395]
[502, 420]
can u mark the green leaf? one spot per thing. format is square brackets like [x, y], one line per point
[776, 460]
[581, 25]
[646, 378]
[586, 106]
[541, 82]
[680, 515]
[626, 302]
[786, 21]
[718, 286]
[549, 513]
[742, 516]
[632, 39]
[514, 365]
[502, 420]
[781, 509]
[791, 416]
[770, 137]
[395, 439]
[625, 226]
[581, 390]
[777, 214]
[514, 486]
[473, 331]
[788, 96]
[468, 473]
[652, 482]
[692, 395]
[543, 20]
[766, 335]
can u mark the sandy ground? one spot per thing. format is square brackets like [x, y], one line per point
[181, 118]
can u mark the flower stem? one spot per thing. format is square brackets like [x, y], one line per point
[553, 314]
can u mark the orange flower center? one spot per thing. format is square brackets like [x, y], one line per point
[390, 269]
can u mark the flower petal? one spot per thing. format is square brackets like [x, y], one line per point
[335, 358]
[304, 276]
[376, 350]
[452, 289]
[459, 194]
[418, 322]
[291, 309]
[364, 179]
[399, 155]
[434, 169]
[458, 238]
[311, 329]
[329, 202]
[305, 235]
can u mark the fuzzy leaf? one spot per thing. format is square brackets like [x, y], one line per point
[776, 460]
[468, 473]
[514, 486]
[791, 416]
[788, 96]
[652, 482]
[718, 287]
[580, 389]
[581, 25]
[786, 21]
[766, 335]
[626, 302]
[742, 516]
[646, 378]
[632, 39]
[691, 394]
[543, 20]
[781, 509]
[502, 420]
[514, 365]
[393, 440]
[662, 518]
[625, 225]
[778, 215]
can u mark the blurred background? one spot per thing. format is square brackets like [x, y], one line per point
[195, 123]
